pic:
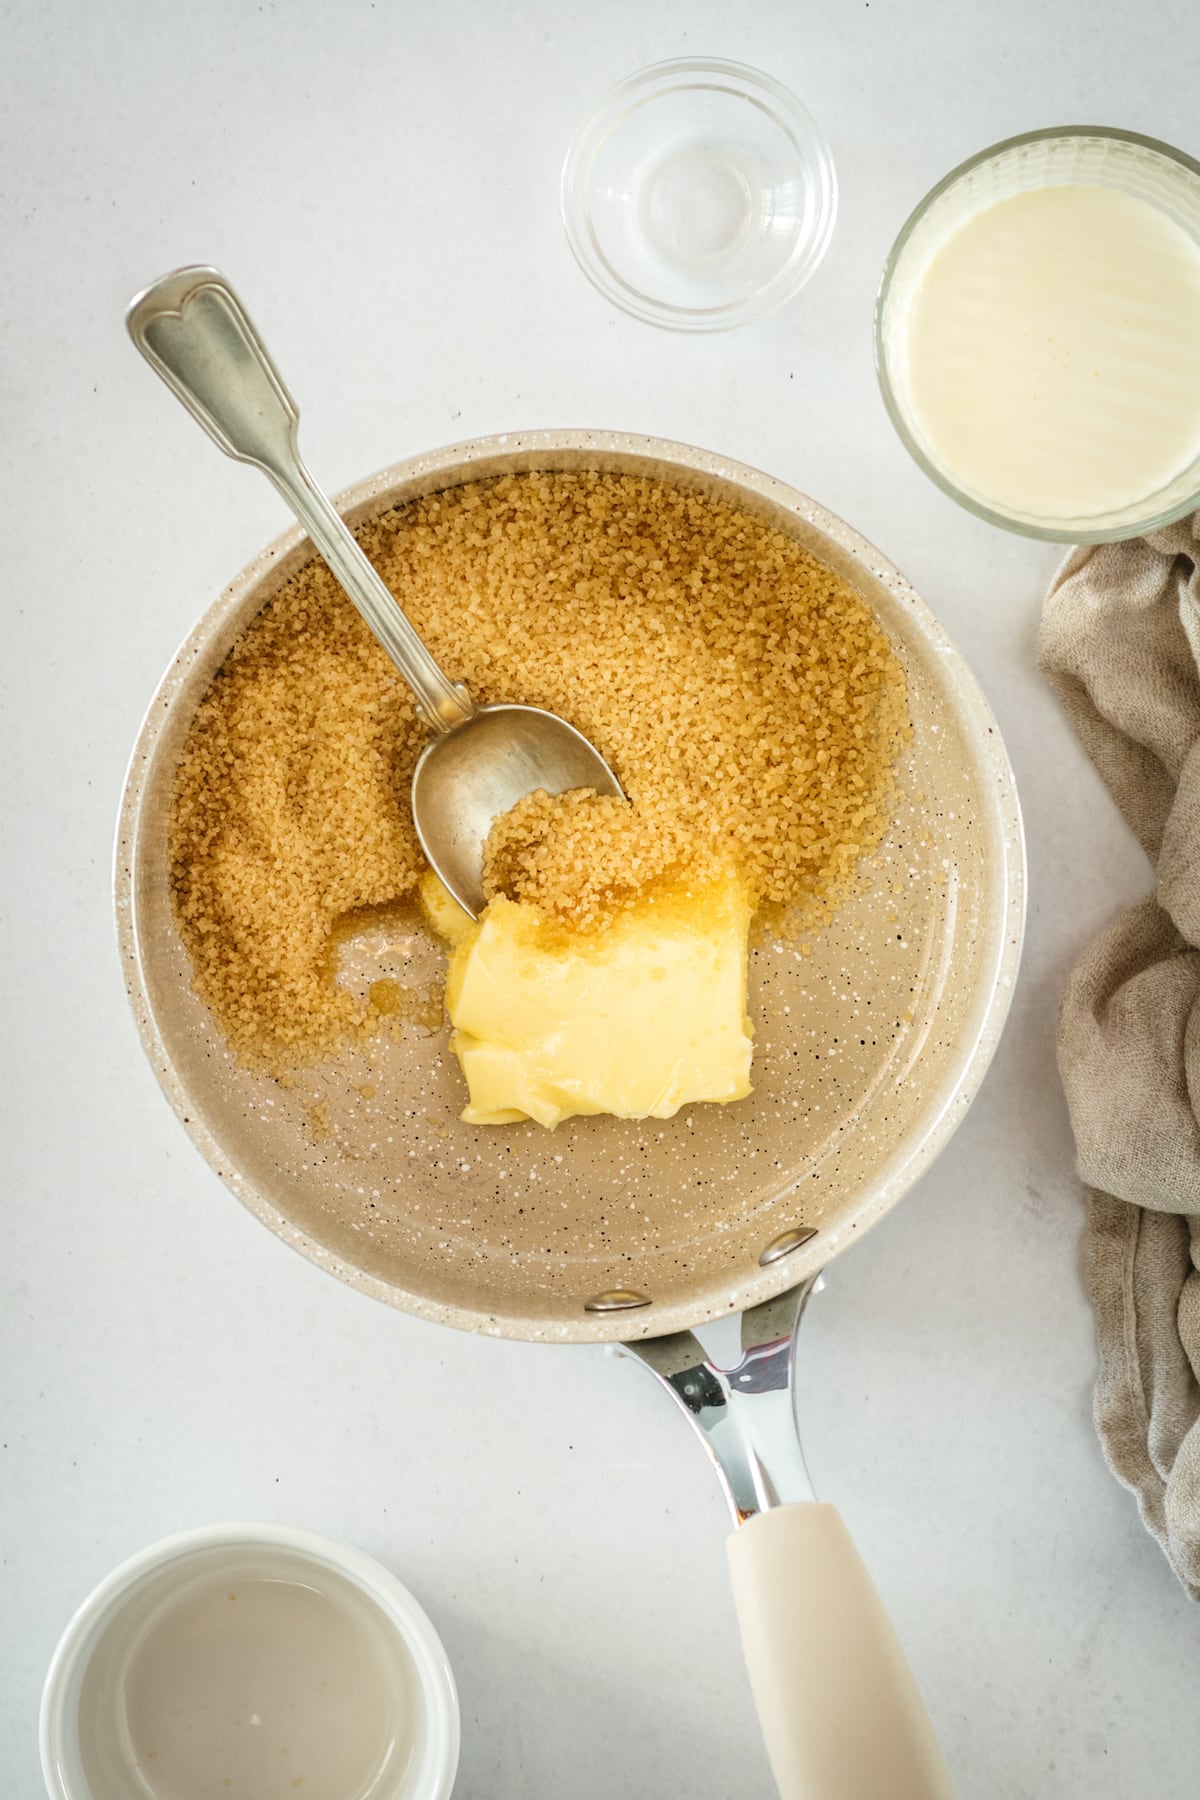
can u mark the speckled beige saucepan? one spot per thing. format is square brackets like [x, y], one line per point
[867, 1050]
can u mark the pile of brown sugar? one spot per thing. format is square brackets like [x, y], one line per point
[745, 695]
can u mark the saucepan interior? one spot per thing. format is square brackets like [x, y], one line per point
[868, 1047]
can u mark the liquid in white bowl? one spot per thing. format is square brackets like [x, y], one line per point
[256, 1674]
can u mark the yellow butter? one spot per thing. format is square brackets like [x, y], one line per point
[450, 920]
[638, 1019]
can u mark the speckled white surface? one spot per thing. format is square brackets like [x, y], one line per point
[381, 184]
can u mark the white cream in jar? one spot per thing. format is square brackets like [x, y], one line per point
[1053, 352]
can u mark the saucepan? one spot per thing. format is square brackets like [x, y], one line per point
[870, 1042]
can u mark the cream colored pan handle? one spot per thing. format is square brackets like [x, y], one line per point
[840, 1711]
[841, 1714]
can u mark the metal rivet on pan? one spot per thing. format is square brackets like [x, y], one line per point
[616, 1300]
[787, 1241]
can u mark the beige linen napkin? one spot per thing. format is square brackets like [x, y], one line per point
[1120, 641]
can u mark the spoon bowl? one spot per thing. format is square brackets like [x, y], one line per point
[470, 776]
[195, 333]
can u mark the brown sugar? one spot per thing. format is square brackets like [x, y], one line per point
[744, 693]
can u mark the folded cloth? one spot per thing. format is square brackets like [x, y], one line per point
[1120, 642]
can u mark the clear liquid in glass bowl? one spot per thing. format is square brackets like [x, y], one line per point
[699, 195]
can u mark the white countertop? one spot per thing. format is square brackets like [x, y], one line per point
[381, 183]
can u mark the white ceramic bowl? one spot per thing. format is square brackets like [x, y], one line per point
[86, 1747]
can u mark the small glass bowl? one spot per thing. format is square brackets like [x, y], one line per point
[1087, 154]
[699, 195]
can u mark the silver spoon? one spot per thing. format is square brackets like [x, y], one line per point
[192, 328]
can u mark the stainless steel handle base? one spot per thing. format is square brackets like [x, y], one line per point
[743, 1415]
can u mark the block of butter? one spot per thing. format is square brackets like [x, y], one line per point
[637, 1019]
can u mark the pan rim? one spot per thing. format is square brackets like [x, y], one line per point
[906, 1165]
